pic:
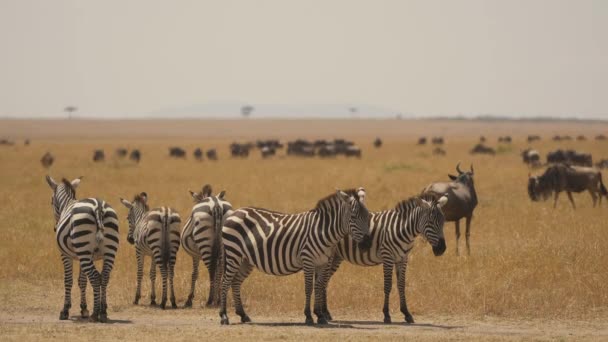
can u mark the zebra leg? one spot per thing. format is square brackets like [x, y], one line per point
[217, 281]
[309, 272]
[171, 288]
[594, 198]
[571, 199]
[244, 272]
[108, 264]
[140, 275]
[163, 274]
[468, 234]
[387, 266]
[195, 262]
[213, 289]
[230, 271]
[457, 223]
[320, 293]
[334, 265]
[82, 284]
[400, 271]
[152, 282]
[67, 281]
[86, 263]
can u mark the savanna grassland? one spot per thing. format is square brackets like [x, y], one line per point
[534, 271]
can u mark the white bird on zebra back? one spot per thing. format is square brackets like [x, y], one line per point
[86, 230]
[391, 238]
[154, 233]
[201, 239]
[283, 244]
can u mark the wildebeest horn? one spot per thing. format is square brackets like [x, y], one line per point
[458, 168]
[472, 171]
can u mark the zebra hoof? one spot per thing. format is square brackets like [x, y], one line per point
[93, 318]
[174, 306]
[225, 321]
[103, 317]
[152, 302]
[322, 321]
[387, 320]
[64, 314]
[245, 319]
[328, 317]
[409, 319]
[84, 313]
[188, 304]
[309, 321]
[163, 305]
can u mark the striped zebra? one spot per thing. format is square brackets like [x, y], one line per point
[199, 236]
[392, 235]
[86, 230]
[154, 233]
[283, 244]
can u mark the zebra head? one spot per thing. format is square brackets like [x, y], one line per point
[137, 210]
[358, 222]
[432, 223]
[63, 193]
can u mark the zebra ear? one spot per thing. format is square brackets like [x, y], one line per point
[343, 196]
[51, 182]
[126, 203]
[442, 201]
[426, 203]
[221, 194]
[195, 196]
[76, 182]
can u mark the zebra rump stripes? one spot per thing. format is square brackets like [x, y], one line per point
[86, 230]
[155, 233]
[283, 244]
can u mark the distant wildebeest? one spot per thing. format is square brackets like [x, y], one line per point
[437, 141]
[531, 157]
[566, 137]
[301, 147]
[562, 177]
[6, 142]
[353, 151]
[600, 137]
[482, 149]
[212, 154]
[377, 143]
[482, 139]
[121, 152]
[506, 139]
[557, 138]
[270, 143]
[438, 151]
[135, 156]
[581, 138]
[99, 155]
[602, 164]
[533, 137]
[198, 154]
[26, 142]
[177, 152]
[325, 151]
[569, 157]
[422, 141]
[239, 150]
[462, 200]
[267, 151]
[47, 160]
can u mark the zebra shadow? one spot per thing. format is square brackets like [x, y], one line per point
[331, 325]
[81, 320]
[422, 325]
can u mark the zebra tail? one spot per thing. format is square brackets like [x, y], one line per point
[603, 190]
[165, 240]
[215, 267]
[99, 235]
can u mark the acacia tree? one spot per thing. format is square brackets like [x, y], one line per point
[70, 110]
[246, 110]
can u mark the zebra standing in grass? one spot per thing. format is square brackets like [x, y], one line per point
[283, 244]
[392, 235]
[86, 230]
[199, 239]
[155, 233]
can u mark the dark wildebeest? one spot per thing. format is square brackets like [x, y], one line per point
[302, 147]
[212, 154]
[482, 149]
[437, 140]
[26, 142]
[438, 151]
[482, 139]
[325, 151]
[99, 155]
[570, 157]
[6, 142]
[422, 141]
[378, 143]
[531, 157]
[462, 200]
[47, 160]
[562, 177]
[600, 137]
[121, 152]
[135, 156]
[353, 151]
[177, 152]
[506, 139]
[198, 154]
[602, 164]
[557, 138]
[581, 138]
[268, 151]
[532, 138]
[240, 150]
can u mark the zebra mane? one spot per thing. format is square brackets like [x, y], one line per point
[350, 192]
[416, 200]
[140, 199]
[69, 187]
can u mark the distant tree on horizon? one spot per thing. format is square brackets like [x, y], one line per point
[70, 110]
[247, 110]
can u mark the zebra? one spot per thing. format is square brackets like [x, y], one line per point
[155, 233]
[201, 231]
[86, 230]
[283, 244]
[392, 235]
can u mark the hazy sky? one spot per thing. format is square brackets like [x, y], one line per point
[111, 58]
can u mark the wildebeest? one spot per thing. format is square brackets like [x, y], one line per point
[569, 157]
[121, 152]
[135, 156]
[557, 138]
[6, 142]
[240, 150]
[26, 142]
[99, 155]
[602, 164]
[600, 137]
[47, 160]
[562, 177]
[198, 154]
[377, 143]
[533, 137]
[212, 154]
[462, 200]
[506, 139]
[268, 151]
[531, 157]
[177, 152]
[302, 147]
[353, 151]
[422, 141]
[482, 149]
[438, 151]
[482, 139]
[437, 141]
[581, 138]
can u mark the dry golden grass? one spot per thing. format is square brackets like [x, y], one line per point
[529, 262]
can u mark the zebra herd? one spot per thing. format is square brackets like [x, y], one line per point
[232, 242]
